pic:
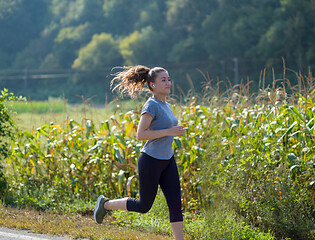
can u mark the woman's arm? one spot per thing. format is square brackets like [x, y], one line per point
[144, 133]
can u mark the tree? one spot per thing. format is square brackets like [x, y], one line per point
[101, 52]
[7, 7]
[145, 47]
[188, 50]
[291, 34]
[42, 34]
[68, 41]
[20, 22]
[152, 14]
[184, 19]
[121, 15]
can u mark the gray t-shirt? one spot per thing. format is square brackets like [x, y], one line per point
[163, 118]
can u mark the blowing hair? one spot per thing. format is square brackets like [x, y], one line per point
[133, 79]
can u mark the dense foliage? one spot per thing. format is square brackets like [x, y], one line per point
[85, 160]
[7, 131]
[6, 122]
[51, 33]
[253, 158]
[91, 37]
[262, 162]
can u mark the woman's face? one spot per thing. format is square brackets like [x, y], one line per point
[162, 83]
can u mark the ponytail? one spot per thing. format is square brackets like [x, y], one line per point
[133, 79]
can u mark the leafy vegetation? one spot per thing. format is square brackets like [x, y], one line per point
[67, 27]
[245, 161]
[262, 158]
[7, 131]
[6, 122]
[73, 46]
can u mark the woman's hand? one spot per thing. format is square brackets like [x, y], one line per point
[144, 133]
[177, 131]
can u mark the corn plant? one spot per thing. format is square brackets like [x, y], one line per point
[255, 156]
[84, 160]
[190, 150]
[264, 163]
[80, 160]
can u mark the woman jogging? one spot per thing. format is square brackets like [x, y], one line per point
[156, 163]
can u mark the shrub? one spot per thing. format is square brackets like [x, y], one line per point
[7, 128]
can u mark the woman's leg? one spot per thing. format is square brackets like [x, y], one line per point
[170, 186]
[178, 230]
[116, 204]
[149, 169]
[149, 174]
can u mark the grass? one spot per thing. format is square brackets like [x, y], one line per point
[217, 223]
[52, 105]
[71, 225]
[31, 118]
[220, 222]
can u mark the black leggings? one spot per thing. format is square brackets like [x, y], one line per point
[154, 172]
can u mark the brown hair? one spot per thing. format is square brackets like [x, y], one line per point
[133, 79]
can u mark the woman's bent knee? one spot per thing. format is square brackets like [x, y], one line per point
[144, 209]
[135, 205]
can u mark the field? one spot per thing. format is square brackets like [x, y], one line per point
[246, 162]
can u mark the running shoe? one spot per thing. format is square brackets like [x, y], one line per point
[100, 211]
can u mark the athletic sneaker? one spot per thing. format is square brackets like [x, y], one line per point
[100, 211]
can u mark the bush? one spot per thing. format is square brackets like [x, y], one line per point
[6, 132]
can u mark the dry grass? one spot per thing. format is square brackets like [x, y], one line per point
[71, 225]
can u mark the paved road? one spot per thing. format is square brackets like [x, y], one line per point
[10, 234]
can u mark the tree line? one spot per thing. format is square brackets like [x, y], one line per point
[184, 35]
